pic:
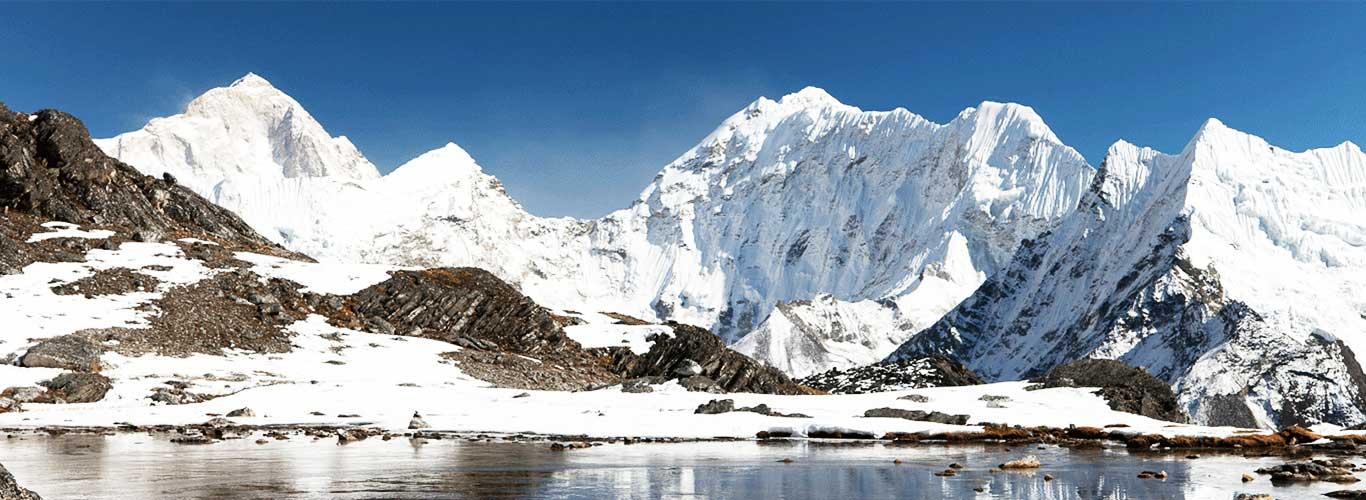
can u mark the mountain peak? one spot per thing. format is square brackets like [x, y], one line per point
[810, 97]
[1003, 116]
[251, 80]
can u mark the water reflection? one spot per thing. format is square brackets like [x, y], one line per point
[146, 467]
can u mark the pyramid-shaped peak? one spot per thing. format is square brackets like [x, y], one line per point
[251, 80]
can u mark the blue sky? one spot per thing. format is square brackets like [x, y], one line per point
[576, 107]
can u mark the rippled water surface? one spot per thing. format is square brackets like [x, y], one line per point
[136, 466]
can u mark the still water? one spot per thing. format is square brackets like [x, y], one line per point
[137, 466]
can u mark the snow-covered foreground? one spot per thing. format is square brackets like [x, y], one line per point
[335, 375]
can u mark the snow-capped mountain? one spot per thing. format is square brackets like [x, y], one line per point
[1232, 270]
[254, 150]
[875, 218]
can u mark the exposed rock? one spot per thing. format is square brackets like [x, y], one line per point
[417, 422]
[76, 388]
[242, 412]
[9, 405]
[915, 398]
[1331, 470]
[575, 445]
[175, 393]
[67, 352]
[1254, 496]
[918, 373]
[917, 415]
[623, 319]
[1124, 387]
[731, 371]
[687, 368]
[716, 406]
[474, 309]
[1028, 462]
[1229, 410]
[763, 409]
[9, 488]
[702, 383]
[637, 386]
[1348, 494]
[50, 168]
[23, 394]
[345, 436]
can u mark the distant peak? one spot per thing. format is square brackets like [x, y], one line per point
[1213, 131]
[448, 155]
[810, 96]
[251, 80]
[996, 115]
[1212, 125]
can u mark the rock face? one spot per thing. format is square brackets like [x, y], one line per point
[507, 338]
[459, 305]
[67, 352]
[900, 375]
[50, 168]
[689, 345]
[1221, 270]
[1126, 388]
[10, 490]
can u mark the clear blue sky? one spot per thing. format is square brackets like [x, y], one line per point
[576, 107]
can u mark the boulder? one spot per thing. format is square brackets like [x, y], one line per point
[23, 394]
[417, 422]
[1125, 388]
[716, 406]
[637, 386]
[10, 489]
[76, 388]
[1348, 494]
[67, 352]
[1335, 470]
[917, 415]
[242, 412]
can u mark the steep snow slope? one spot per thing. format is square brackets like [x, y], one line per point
[802, 196]
[1228, 270]
[254, 150]
[785, 201]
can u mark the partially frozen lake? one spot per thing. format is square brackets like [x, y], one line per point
[140, 466]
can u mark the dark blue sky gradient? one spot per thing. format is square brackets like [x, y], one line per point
[577, 106]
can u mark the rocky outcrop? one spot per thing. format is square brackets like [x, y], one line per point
[463, 306]
[1335, 470]
[50, 168]
[672, 354]
[67, 352]
[1126, 388]
[506, 338]
[76, 388]
[918, 373]
[917, 415]
[10, 489]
